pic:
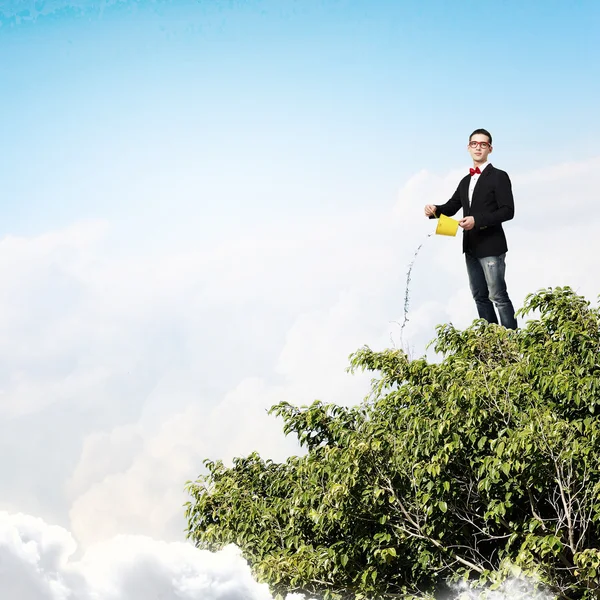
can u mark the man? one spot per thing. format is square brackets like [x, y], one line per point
[485, 195]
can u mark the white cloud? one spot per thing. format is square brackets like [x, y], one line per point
[148, 494]
[37, 563]
[563, 173]
[555, 196]
[122, 370]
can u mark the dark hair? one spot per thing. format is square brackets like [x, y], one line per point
[483, 132]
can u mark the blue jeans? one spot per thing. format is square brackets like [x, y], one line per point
[486, 278]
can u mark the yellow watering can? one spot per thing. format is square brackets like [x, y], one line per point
[446, 226]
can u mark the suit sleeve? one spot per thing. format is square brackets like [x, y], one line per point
[505, 202]
[451, 207]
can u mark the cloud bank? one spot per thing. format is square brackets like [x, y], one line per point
[123, 369]
[36, 563]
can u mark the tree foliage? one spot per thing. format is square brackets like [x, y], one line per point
[468, 468]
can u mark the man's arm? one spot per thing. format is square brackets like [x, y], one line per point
[450, 208]
[506, 204]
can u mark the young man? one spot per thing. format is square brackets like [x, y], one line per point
[485, 195]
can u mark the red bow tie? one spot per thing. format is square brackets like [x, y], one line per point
[474, 171]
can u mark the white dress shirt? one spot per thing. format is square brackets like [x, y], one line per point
[474, 179]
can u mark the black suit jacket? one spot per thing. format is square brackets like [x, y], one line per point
[492, 205]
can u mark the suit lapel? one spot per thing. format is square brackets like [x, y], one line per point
[464, 194]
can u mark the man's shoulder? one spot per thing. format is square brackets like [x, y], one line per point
[496, 170]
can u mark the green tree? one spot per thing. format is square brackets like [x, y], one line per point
[468, 468]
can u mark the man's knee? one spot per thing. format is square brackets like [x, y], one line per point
[480, 294]
[499, 294]
[496, 284]
[500, 300]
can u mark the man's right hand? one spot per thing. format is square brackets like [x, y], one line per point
[430, 210]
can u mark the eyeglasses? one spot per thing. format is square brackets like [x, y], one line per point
[482, 145]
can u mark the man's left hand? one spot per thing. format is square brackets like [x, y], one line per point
[467, 223]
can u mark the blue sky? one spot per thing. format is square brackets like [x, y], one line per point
[276, 110]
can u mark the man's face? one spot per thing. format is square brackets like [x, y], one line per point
[479, 153]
